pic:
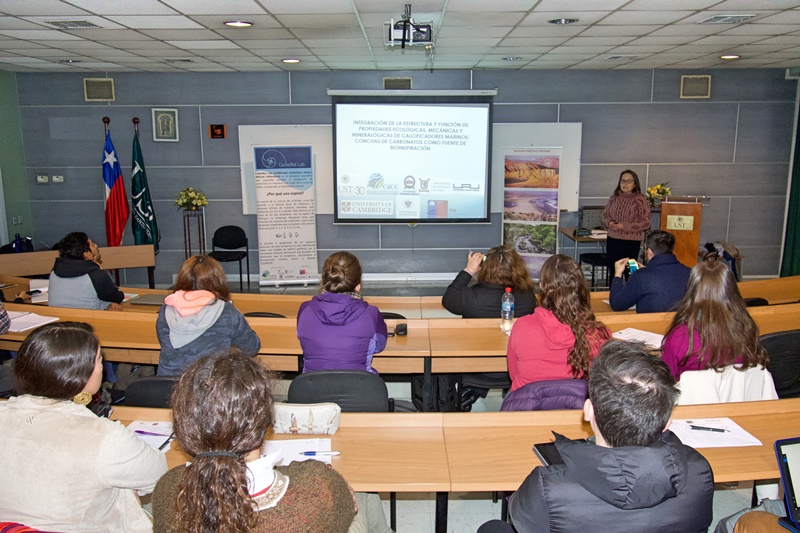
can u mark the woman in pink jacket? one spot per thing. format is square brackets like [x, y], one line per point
[562, 336]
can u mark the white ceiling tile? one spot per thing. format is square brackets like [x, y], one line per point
[307, 7]
[532, 41]
[620, 31]
[39, 7]
[179, 35]
[20, 46]
[645, 17]
[760, 29]
[112, 35]
[547, 31]
[688, 29]
[269, 45]
[14, 23]
[348, 20]
[139, 45]
[786, 17]
[358, 53]
[580, 49]
[331, 43]
[585, 18]
[489, 31]
[203, 45]
[564, 57]
[672, 40]
[734, 5]
[788, 40]
[136, 22]
[215, 7]
[579, 5]
[598, 41]
[482, 20]
[38, 35]
[123, 7]
[328, 33]
[639, 50]
[481, 5]
[727, 39]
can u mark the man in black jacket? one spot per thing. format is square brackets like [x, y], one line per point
[638, 476]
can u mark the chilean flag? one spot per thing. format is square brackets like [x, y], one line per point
[116, 200]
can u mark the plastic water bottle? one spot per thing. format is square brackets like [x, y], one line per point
[17, 243]
[507, 310]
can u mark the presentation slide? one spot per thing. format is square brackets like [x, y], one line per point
[411, 162]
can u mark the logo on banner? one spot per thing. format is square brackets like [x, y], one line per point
[375, 181]
[408, 204]
[423, 184]
[346, 207]
[409, 182]
[302, 271]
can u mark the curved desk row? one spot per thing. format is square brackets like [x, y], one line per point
[381, 452]
[431, 346]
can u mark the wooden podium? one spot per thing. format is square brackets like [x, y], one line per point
[681, 216]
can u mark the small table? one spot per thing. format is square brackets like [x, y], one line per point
[569, 233]
[191, 217]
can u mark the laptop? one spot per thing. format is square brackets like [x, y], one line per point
[788, 452]
[149, 299]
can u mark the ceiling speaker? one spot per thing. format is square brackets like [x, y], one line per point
[98, 89]
[397, 84]
[696, 86]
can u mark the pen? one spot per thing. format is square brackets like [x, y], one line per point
[166, 442]
[703, 428]
[141, 432]
[319, 453]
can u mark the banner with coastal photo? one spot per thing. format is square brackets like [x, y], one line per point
[287, 230]
[530, 203]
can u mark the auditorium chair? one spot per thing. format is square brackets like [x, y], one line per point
[230, 239]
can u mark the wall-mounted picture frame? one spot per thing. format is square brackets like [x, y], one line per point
[165, 125]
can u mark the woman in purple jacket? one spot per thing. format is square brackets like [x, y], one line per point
[337, 329]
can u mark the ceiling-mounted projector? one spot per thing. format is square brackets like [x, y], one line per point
[407, 31]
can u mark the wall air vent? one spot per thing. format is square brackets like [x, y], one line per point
[397, 84]
[696, 86]
[72, 24]
[98, 89]
[726, 19]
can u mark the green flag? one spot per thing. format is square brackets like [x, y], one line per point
[145, 227]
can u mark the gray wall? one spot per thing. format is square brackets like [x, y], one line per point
[734, 147]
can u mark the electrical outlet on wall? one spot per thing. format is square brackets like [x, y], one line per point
[58, 179]
[42, 178]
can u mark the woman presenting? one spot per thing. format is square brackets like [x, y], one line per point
[627, 217]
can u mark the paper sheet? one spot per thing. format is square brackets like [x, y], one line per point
[631, 334]
[733, 434]
[21, 321]
[155, 434]
[292, 450]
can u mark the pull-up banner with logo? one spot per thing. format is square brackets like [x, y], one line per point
[287, 231]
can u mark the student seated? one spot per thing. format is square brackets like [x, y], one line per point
[656, 288]
[638, 476]
[337, 329]
[78, 281]
[711, 327]
[61, 467]
[198, 318]
[562, 336]
[501, 267]
[222, 409]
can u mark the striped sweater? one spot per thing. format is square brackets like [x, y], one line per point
[633, 210]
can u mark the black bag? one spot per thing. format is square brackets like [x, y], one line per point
[444, 396]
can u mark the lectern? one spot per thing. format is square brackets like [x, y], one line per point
[681, 216]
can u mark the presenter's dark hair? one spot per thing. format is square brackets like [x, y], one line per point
[636, 186]
[56, 360]
[563, 291]
[341, 273]
[222, 403]
[74, 245]
[632, 393]
[203, 273]
[504, 266]
[713, 307]
[660, 242]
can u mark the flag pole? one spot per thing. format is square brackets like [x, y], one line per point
[106, 122]
[135, 121]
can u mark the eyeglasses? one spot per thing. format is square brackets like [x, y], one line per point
[626, 181]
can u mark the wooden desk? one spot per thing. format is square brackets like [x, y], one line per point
[398, 452]
[568, 233]
[504, 442]
[115, 257]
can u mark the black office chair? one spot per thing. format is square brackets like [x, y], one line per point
[755, 302]
[596, 260]
[784, 361]
[152, 391]
[355, 391]
[388, 315]
[231, 238]
[264, 314]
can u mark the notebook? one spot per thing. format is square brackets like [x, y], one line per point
[149, 299]
[788, 452]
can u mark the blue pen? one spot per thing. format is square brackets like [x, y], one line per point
[311, 454]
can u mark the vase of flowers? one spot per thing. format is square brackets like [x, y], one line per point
[658, 190]
[191, 199]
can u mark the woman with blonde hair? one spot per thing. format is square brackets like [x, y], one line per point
[711, 327]
[562, 336]
[222, 409]
[337, 329]
[198, 318]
